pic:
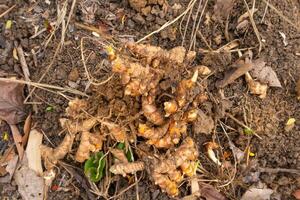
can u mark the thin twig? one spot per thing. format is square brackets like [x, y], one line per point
[42, 86]
[7, 11]
[166, 24]
[265, 12]
[253, 24]
[242, 124]
[23, 63]
[277, 170]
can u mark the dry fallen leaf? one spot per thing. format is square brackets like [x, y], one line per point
[33, 151]
[290, 124]
[222, 9]
[296, 194]
[30, 185]
[11, 102]
[264, 73]
[210, 193]
[298, 89]
[231, 75]
[257, 194]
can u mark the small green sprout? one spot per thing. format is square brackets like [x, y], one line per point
[248, 131]
[94, 167]
[50, 109]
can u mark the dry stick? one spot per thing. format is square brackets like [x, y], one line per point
[281, 15]
[276, 170]
[7, 11]
[242, 124]
[187, 23]
[198, 25]
[23, 63]
[194, 30]
[47, 70]
[253, 24]
[17, 139]
[42, 86]
[167, 24]
[265, 12]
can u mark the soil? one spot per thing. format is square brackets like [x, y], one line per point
[277, 147]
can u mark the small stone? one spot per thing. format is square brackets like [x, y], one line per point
[73, 84]
[146, 11]
[74, 75]
[130, 23]
[139, 19]
[61, 73]
[150, 18]
[25, 43]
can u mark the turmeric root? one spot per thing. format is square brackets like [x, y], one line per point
[166, 174]
[75, 107]
[157, 54]
[171, 107]
[119, 154]
[51, 156]
[138, 80]
[127, 168]
[170, 133]
[89, 143]
[151, 112]
[117, 133]
[163, 181]
[152, 133]
[176, 129]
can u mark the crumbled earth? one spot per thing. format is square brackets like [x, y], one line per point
[277, 148]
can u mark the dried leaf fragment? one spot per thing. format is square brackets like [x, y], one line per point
[233, 74]
[256, 87]
[257, 194]
[298, 89]
[11, 102]
[30, 185]
[265, 74]
[33, 151]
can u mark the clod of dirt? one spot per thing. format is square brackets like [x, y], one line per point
[217, 60]
[298, 89]
[222, 9]
[203, 124]
[11, 102]
[265, 74]
[74, 75]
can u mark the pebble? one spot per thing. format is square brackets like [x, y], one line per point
[130, 23]
[61, 73]
[139, 19]
[73, 84]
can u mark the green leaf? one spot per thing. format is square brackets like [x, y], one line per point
[121, 145]
[49, 109]
[248, 131]
[8, 24]
[94, 167]
[129, 154]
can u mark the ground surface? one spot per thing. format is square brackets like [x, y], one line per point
[277, 148]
